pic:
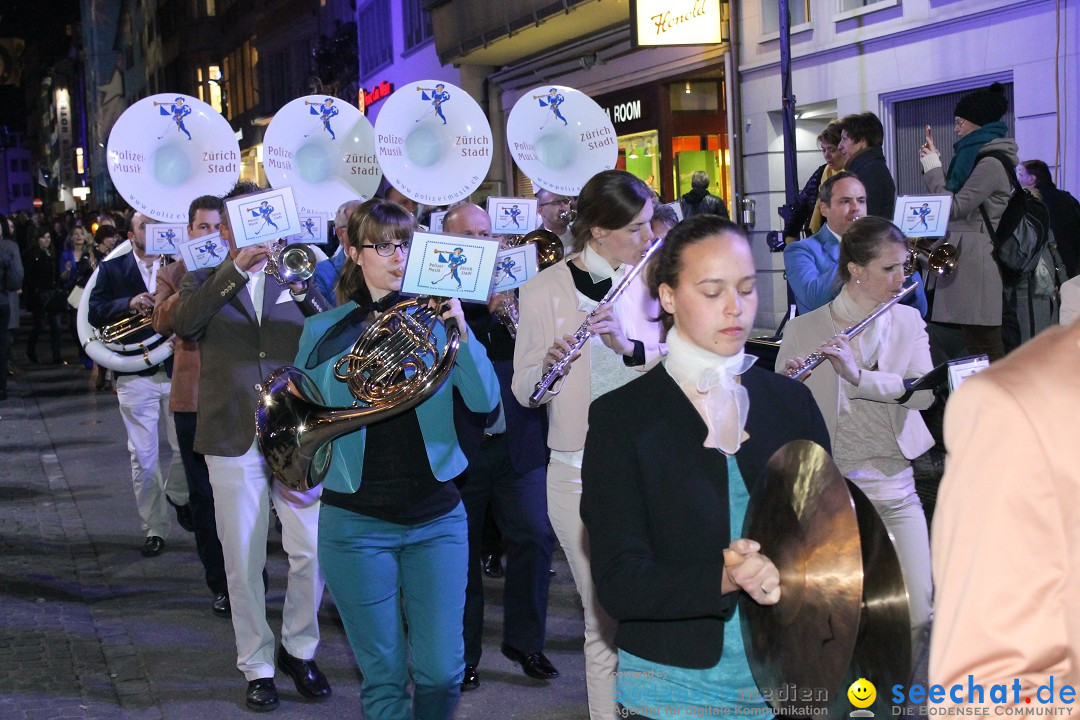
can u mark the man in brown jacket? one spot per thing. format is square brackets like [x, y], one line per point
[204, 218]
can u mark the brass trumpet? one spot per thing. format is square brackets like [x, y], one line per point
[121, 329]
[942, 259]
[290, 263]
[392, 367]
[549, 250]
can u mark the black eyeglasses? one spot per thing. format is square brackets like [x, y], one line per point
[386, 249]
[564, 201]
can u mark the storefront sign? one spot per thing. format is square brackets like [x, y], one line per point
[375, 94]
[677, 22]
[66, 147]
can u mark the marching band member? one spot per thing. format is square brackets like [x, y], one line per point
[391, 524]
[204, 218]
[658, 528]
[328, 271]
[610, 234]
[507, 476]
[875, 436]
[246, 327]
[124, 286]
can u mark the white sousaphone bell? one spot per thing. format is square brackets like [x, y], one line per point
[324, 149]
[433, 142]
[163, 151]
[560, 138]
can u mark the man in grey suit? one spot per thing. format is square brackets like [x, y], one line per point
[247, 325]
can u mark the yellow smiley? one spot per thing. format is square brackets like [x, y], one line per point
[862, 693]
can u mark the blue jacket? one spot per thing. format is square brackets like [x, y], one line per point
[326, 274]
[811, 267]
[118, 281]
[473, 376]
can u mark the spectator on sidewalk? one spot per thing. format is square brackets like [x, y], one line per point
[804, 216]
[11, 280]
[699, 200]
[861, 137]
[1064, 211]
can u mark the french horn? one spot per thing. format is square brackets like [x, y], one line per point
[392, 367]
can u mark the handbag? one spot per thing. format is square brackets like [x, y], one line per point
[75, 296]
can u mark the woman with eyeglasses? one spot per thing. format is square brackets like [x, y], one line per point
[610, 234]
[390, 522]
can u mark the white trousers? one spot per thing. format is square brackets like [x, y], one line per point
[601, 657]
[905, 520]
[242, 490]
[143, 402]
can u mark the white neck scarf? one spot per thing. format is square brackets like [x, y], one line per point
[849, 312]
[599, 268]
[711, 382]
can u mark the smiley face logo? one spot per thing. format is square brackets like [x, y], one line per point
[862, 693]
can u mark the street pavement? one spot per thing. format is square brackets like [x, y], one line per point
[91, 629]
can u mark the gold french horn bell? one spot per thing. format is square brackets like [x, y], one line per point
[392, 367]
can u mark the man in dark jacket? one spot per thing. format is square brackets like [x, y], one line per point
[1063, 207]
[11, 280]
[699, 200]
[861, 137]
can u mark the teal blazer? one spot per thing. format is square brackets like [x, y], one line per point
[473, 376]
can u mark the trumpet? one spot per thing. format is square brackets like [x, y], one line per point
[547, 384]
[290, 263]
[814, 359]
[549, 250]
[942, 259]
[121, 329]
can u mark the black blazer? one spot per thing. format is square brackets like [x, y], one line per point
[118, 281]
[655, 504]
[869, 166]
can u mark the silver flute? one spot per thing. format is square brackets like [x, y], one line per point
[558, 369]
[817, 357]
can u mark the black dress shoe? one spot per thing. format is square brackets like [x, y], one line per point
[535, 665]
[492, 565]
[183, 515]
[221, 605]
[471, 680]
[262, 695]
[153, 546]
[309, 679]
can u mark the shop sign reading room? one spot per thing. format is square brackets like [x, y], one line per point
[677, 22]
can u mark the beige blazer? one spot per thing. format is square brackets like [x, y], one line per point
[904, 354]
[1006, 542]
[549, 309]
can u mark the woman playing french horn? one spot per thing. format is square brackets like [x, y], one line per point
[390, 522]
[610, 234]
[875, 436]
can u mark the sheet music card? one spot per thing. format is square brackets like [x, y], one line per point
[460, 266]
[263, 217]
[512, 215]
[204, 252]
[165, 238]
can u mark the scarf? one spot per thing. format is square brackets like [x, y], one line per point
[966, 151]
[711, 382]
[599, 268]
[848, 312]
[342, 334]
[816, 220]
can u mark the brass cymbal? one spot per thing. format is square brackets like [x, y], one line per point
[833, 624]
[883, 653]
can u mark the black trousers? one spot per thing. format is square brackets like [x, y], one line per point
[519, 502]
[201, 497]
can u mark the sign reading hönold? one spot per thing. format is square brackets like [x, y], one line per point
[677, 22]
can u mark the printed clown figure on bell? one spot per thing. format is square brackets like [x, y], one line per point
[326, 111]
[437, 95]
[553, 100]
[176, 112]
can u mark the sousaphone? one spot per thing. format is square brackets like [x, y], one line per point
[560, 138]
[166, 150]
[433, 142]
[324, 149]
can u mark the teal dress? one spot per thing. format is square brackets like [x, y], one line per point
[658, 691]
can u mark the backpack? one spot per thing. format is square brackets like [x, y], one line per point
[1023, 229]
